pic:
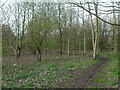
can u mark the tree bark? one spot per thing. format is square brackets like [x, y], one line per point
[94, 31]
[68, 47]
[18, 52]
[39, 55]
[60, 32]
[74, 48]
[114, 32]
[94, 52]
[84, 44]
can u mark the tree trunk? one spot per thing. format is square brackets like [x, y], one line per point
[18, 52]
[79, 49]
[39, 55]
[60, 32]
[93, 35]
[84, 44]
[94, 52]
[73, 51]
[74, 48]
[114, 32]
[61, 46]
[115, 42]
[68, 48]
[97, 51]
[96, 33]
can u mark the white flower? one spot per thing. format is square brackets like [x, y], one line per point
[14, 64]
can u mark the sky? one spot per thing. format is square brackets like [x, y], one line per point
[8, 1]
[12, 1]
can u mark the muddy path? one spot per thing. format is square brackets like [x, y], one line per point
[84, 79]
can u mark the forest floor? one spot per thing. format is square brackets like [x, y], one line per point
[85, 79]
[108, 76]
[65, 72]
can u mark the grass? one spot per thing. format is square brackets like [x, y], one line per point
[43, 75]
[108, 76]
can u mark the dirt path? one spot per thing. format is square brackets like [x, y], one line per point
[85, 78]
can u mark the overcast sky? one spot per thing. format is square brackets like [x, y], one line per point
[8, 1]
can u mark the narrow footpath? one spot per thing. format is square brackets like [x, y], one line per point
[86, 76]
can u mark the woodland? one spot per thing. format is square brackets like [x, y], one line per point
[60, 44]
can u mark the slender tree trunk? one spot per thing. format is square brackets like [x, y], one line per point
[84, 52]
[39, 55]
[79, 48]
[61, 46]
[93, 35]
[118, 31]
[94, 31]
[84, 44]
[18, 52]
[73, 48]
[18, 34]
[114, 32]
[60, 32]
[97, 51]
[114, 40]
[97, 36]
[94, 52]
[68, 47]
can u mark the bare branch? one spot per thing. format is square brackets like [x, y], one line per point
[3, 4]
[94, 14]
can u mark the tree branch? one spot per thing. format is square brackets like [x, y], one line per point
[3, 4]
[94, 14]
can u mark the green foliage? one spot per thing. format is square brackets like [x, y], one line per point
[22, 75]
[69, 65]
[52, 44]
[52, 67]
[109, 73]
[29, 84]
[43, 74]
[101, 80]
[70, 76]
[113, 82]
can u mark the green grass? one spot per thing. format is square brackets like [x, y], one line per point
[101, 80]
[108, 76]
[43, 75]
[69, 76]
